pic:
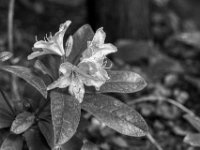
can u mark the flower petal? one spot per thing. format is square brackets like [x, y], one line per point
[98, 74]
[52, 44]
[69, 45]
[66, 68]
[99, 37]
[90, 82]
[58, 37]
[76, 88]
[88, 68]
[61, 82]
[40, 52]
[87, 54]
[105, 49]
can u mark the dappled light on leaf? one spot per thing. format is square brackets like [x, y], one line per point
[81, 36]
[115, 114]
[22, 122]
[5, 55]
[66, 111]
[123, 82]
[28, 76]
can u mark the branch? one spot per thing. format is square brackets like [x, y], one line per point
[154, 142]
[159, 98]
[14, 87]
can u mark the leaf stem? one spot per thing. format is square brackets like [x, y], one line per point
[159, 98]
[14, 87]
[154, 142]
[10, 25]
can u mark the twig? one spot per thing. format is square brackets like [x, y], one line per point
[10, 25]
[14, 87]
[154, 142]
[159, 98]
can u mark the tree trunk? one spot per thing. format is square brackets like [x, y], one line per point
[121, 18]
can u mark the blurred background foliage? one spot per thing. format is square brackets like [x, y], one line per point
[159, 39]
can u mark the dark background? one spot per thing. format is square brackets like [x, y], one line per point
[146, 34]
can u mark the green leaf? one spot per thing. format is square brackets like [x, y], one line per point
[80, 37]
[193, 139]
[73, 144]
[123, 82]
[6, 104]
[5, 55]
[46, 129]
[25, 73]
[22, 122]
[193, 120]
[6, 112]
[66, 111]
[115, 114]
[34, 140]
[190, 38]
[45, 125]
[12, 142]
[40, 66]
[5, 119]
[3, 135]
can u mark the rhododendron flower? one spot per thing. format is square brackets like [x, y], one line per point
[51, 44]
[91, 71]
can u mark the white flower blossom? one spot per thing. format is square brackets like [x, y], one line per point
[91, 71]
[51, 44]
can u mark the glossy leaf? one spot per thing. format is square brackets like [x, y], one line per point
[115, 114]
[29, 77]
[12, 142]
[6, 104]
[193, 139]
[6, 113]
[34, 140]
[193, 120]
[45, 125]
[22, 122]
[46, 129]
[66, 111]
[73, 144]
[5, 55]
[40, 66]
[5, 118]
[123, 82]
[80, 37]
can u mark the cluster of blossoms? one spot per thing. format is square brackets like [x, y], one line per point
[91, 69]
